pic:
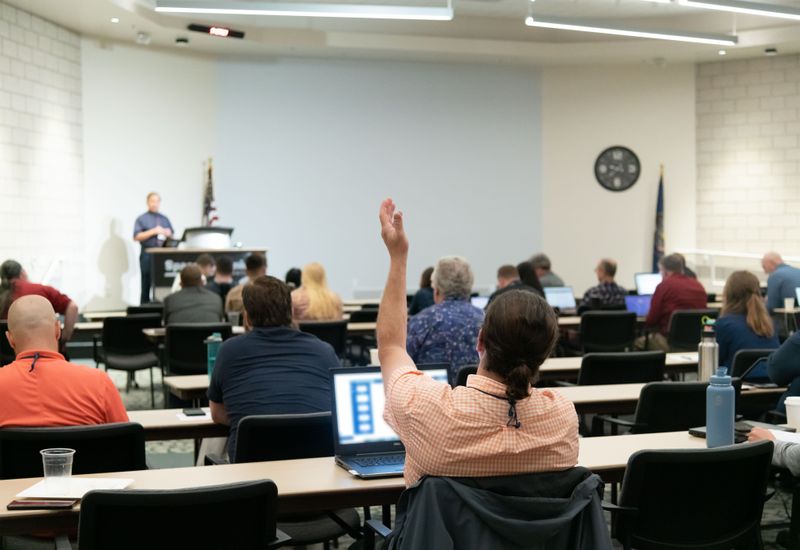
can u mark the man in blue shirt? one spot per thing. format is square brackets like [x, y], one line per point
[447, 332]
[150, 230]
[273, 368]
[782, 282]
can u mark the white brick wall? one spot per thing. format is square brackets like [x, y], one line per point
[748, 155]
[41, 183]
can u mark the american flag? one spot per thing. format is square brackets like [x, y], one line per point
[209, 209]
[658, 235]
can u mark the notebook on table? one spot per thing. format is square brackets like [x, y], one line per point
[363, 442]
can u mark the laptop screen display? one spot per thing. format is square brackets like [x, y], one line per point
[646, 283]
[560, 297]
[640, 305]
[480, 302]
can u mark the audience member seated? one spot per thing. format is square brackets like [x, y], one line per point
[676, 291]
[607, 294]
[541, 263]
[686, 271]
[424, 296]
[40, 388]
[528, 278]
[508, 278]
[255, 266]
[208, 267]
[744, 322]
[498, 424]
[293, 278]
[782, 282]
[222, 283]
[447, 332]
[783, 368]
[14, 284]
[192, 303]
[273, 368]
[314, 300]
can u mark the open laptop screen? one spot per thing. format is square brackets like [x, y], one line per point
[560, 297]
[646, 283]
[640, 305]
[480, 302]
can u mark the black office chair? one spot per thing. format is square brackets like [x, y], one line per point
[686, 327]
[665, 407]
[332, 332]
[745, 358]
[184, 347]
[152, 308]
[126, 348]
[100, 448]
[463, 373]
[364, 315]
[607, 331]
[7, 354]
[622, 368]
[705, 498]
[262, 438]
[238, 515]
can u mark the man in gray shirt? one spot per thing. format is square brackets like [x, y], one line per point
[193, 303]
[541, 263]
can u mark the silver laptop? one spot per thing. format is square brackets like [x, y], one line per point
[363, 442]
[560, 297]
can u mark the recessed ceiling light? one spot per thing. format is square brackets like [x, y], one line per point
[722, 52]
[115, 19]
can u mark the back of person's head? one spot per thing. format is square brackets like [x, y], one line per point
[425, 281]
[267, 302]
[742, 295]
[255, 264]
[671, 264]
[528, 276]
[541, 261]
[205, 260]
[322, 302]
[507, 272]
[10, 271]
[224, 265]
[294, 277]
[453, 277]
[608, 266]
[32, 324]
[518, 334]
[191, 276]
[770, 261]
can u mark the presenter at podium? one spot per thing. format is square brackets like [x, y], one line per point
[151, 230]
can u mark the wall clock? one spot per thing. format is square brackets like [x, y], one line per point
[617, 168]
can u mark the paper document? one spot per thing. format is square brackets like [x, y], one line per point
[790, 437]
[72, 487]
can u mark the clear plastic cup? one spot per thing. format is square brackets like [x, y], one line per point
[57, 462]
[788, 304]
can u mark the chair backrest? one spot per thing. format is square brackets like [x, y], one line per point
[685, 328]
[184, 347]
[705, 498]
[100, 448]
[284, 436]
[463, 373]
[673, 406]
[333, 332]
[123, 335]
[607, 331]
[744, 359]
[238, 515]
[622, 368]
[146, 309]
[7, 354]
[364, 315]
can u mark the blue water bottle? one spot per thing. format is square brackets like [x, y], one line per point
[213, 343]
[720, 410]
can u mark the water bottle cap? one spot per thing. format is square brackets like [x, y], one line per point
[721, 376]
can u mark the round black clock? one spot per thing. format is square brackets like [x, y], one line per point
[617, 168]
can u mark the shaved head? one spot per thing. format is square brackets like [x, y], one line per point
[32, 324]
[770, 261]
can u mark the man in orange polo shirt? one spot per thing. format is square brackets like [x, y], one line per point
[40, 388]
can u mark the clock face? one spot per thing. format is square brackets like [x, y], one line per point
[617, 168]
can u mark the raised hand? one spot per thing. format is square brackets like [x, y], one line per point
[392, 231]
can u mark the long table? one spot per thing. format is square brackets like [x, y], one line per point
[562, 368]
[316, 483]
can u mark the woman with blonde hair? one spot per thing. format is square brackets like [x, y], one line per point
[744, 322]
[314, 300]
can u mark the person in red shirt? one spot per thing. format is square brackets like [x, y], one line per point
[14, 284]
[676, 291]
[40, 388]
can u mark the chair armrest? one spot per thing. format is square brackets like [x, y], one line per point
[214, 460]
[617, 421]
[377, 527]
[563, 384]
[281, 539]
[616, 509]
[63, 543]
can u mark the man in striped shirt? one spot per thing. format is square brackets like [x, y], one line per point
[496, 425]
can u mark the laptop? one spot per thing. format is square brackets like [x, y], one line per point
[797, 293]
[640, 305]
[480, 302]
[561, 298]
[646, 283]
[363, 442]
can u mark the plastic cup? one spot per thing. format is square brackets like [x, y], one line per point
[373, 357]
[788, 304]
[793, 412]
[57, 462]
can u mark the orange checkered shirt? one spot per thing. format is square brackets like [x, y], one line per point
[461, 432]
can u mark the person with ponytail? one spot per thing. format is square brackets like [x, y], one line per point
[498, 424]
[314, 300]
[744, 322]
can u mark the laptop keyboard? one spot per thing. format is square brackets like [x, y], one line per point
[380, 460]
